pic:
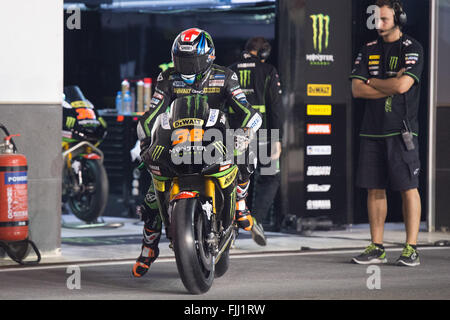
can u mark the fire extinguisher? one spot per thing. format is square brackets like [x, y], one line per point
[14, 202]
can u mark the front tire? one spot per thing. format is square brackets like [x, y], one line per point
[194, 261]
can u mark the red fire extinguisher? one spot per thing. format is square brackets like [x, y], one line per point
[14, 202]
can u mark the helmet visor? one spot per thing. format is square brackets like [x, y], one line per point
[190, 65]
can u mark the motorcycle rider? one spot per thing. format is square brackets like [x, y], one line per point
[193, 53]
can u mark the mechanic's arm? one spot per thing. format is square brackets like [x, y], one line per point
[363, 91]
[392, 86]
[250, 117]
[160, 101]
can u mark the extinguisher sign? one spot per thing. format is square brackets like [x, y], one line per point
[15, 178]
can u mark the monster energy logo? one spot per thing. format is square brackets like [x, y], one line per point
[321, 37]
[220, 147]
[197, 103]
[157, 152]
[70, 122]
[393, 63]
[319, 23]
[244, 77]
[388, 104]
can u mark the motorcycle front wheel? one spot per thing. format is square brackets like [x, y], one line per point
[195, 262]
[90, 202]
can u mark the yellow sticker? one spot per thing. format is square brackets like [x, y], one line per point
[374, 62]
[318, 109]
[188, 122]
[319, 90]
[374, 57]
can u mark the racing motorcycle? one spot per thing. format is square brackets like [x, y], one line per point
[197, 199]
[84, 179]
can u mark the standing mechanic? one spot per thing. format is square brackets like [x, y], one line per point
[387, 74]
[261, 84]
[193, 54]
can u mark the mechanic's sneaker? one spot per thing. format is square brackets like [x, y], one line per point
[371, 255]
[409, 257]
[143, 262]
[258, 233]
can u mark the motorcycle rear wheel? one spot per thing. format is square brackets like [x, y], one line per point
[89, 204]
[195, 263]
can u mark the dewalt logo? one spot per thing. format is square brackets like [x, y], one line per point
[244, 78]
[319, 90]
[321, 31]
[188, 122]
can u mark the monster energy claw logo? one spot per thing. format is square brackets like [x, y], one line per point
[321, 37]
[393, 63]
[70, 122]
[157, 152]
[320, 21]
[244, 77]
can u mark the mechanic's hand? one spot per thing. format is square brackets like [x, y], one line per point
[401, 72]
[276, 151]
[242, 139]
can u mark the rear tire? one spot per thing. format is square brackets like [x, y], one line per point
[194, 261]
[89, 205]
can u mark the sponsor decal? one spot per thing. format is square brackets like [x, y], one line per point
[211, 90]
[319, 90]
[318, 187]
[318, 110]
[318, 150]
[374, 62]
[244, 77]
[15, 178]
[187, 48]
[217, 76]
[179, 84]
[393, 63]
[374, 57]
[246, 65]
[318, 128]
[158, 96]
[234, 77]
[182, 90]
[216, 83]
[318, 205]
[188, 122]
[321, 37]
[318, 171]
[213, 114]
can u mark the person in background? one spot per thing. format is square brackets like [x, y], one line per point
[261, 84]
[386, 74]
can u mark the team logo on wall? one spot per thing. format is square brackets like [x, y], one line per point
[320, 38]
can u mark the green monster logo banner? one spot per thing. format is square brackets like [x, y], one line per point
[321, 31]
[320, 38]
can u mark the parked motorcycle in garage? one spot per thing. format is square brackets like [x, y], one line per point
[84, 179]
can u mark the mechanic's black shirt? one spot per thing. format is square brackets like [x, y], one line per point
[261, 84]
[377, 59]
[222, 89]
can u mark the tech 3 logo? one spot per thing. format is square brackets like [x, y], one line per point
[321, 37]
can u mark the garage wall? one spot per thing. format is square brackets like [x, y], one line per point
[31, 83]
